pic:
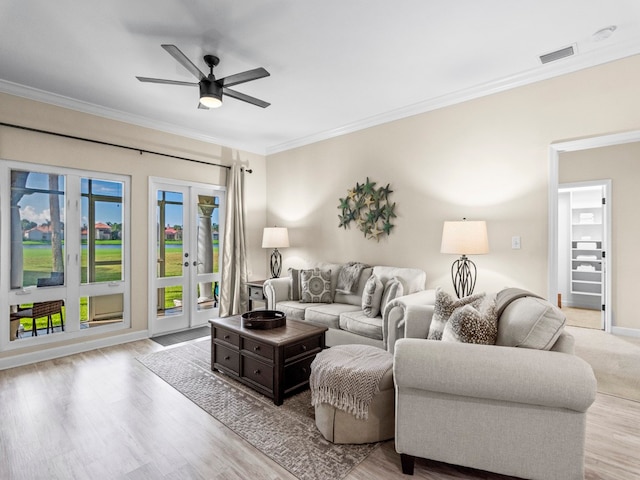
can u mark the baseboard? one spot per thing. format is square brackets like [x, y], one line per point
[625, 332]
[57, 352]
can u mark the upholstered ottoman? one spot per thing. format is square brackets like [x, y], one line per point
[353, 394]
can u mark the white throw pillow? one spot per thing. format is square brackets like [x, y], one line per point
[372, 296]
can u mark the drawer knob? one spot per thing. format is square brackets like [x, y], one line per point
[226, 337]
[256, 348]
[304, 348]
[256, 372]
[304, 370]
[227, 358]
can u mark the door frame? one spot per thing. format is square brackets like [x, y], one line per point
[192, 316]
[555, 149]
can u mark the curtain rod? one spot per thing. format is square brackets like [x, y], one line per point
[99, 142]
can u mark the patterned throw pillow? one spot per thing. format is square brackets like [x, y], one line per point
[469, 324]
[315, 286]
[371, 296]
[444, 307]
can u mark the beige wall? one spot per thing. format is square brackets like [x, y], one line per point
[483, 159]
[621, 164]
[20, 145]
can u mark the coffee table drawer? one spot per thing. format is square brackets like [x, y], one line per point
[259, 348]
[297, 373]
[228, 358]
[304, 347]
[257, 371]
[226, 336]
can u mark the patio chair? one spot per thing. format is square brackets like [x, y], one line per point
[40, 310]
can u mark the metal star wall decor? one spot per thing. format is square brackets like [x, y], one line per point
[369, 207]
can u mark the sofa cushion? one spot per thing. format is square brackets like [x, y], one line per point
[444, 307]
[392, 289]
[358, 323]
[413, 279]
[327, 314]
[372, 296]
[335, 273]
[469, 324]
[530, 322]
[354, 298]
[293, 309]
[316, 286]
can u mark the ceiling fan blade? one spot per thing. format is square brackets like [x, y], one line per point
[243, 77]
[169, 82]
[184, 61]
[245, 98]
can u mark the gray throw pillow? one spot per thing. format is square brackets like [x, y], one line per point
[295, 284]
[393, 288]
[468, 324]
[530, 322]
[372, 296]
[444, 307]
[316, 286]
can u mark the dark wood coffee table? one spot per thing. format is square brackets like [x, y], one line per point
[275, 362]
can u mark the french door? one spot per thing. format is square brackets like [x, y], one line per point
[186, 221]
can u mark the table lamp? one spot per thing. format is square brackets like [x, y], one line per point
[464, 238]
[275, 237]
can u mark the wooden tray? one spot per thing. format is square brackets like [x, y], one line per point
[263, 319]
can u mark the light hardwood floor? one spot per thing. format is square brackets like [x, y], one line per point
[102, 415]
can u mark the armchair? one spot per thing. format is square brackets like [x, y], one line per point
[509, 410]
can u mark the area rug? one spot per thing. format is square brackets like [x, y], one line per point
[287, 434]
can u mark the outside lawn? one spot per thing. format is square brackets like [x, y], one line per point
[37, 264]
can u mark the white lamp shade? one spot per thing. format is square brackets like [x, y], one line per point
[465, 238]
[275, 237]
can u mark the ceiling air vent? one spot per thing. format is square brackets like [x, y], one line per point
[558, 54]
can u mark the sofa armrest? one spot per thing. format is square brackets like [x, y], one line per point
[394, 317]
[276, 290]
[509, 374]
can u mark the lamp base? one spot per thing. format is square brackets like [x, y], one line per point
[276, 263]
[463, 275]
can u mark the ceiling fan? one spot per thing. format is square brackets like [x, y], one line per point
[212, 89]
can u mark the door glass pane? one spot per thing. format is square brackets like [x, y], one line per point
[102, 249]
[170, 224]
[208, 295]
[170, 301]
[37, 229]
[208, 234]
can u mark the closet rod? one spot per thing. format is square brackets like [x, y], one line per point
[99, 142]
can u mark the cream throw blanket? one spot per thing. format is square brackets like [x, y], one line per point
[348, 376]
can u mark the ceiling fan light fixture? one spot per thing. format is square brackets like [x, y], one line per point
[210, 94]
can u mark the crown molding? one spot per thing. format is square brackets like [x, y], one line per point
[540, 73]
[120, 116]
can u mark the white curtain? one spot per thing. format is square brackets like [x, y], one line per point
[233, 290]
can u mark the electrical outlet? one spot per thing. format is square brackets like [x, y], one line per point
[515, 242]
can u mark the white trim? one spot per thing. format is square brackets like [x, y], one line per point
[554, 154]
[536, 74]
[57, 352]
[626, 332]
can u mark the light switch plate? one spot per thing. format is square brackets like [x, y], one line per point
[515, 242]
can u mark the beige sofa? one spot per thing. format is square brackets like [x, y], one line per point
[344, 316]
[516, 408]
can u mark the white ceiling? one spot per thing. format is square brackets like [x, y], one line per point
[336, 65]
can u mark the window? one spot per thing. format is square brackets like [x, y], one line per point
[67, 250]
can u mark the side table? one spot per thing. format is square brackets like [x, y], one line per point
[255, 292]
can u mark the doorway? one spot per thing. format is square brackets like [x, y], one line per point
[186, 221]
[583, 240]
